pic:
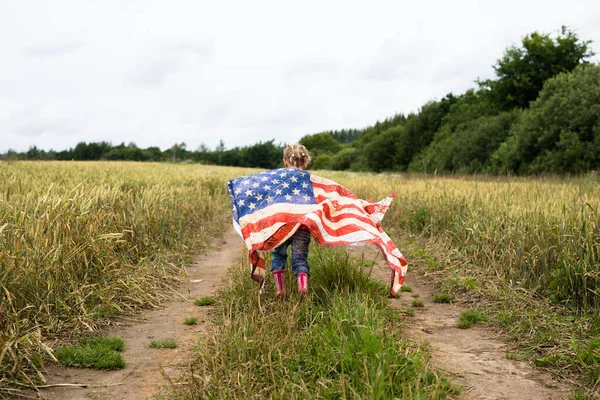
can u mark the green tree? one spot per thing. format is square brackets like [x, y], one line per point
[219, 151]
[153, 154]
[381, 153]
[522, 71]
[320, 143]
[90, 151]
[435, 153]
[419, 129]
[343, 159]
[467, 148]
[33, 153]
[178, 151]
[560, 133]
[322, 161]
[231, 157]
[262, 155]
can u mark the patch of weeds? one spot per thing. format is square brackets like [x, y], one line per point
[516, 356]
[591, 355]
[432, 265]
[347, 342]
[461, 283]
[469, 318]
[102, 312]
[418, 303]
[545, 361]
[205, 301]
[409, 312]
[406, 288]
[442, 298]
[452, 283]
[414, 295]
[163, 344]
[593, 374]
[94, 352]
[418, 252]
[421, 253]
[419, 220]
[191, 321]
[218, 321]
[506, 318]
[471, 283]
[363, 262]
[578, 396]
[588, 357]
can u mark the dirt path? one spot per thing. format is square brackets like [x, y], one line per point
[148, 370]
[475, 356]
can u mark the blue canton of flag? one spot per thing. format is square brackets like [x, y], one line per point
[255, 192]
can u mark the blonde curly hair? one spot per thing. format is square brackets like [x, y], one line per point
[296, 156]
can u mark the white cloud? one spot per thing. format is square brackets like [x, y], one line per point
[51, 49]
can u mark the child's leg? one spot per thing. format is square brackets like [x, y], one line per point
[279, 257]
[300, 243]
[278, 267]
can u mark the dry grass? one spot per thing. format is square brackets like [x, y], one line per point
[341, 340]
[541, 234]
[80, 242]
[525, 250]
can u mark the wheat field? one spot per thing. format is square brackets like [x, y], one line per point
[81, 242]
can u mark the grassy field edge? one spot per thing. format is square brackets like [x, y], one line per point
[343, 340]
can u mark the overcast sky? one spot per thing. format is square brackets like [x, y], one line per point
[162, 72]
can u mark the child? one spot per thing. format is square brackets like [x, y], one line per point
[294, 156]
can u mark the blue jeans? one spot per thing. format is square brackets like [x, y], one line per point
[299, 241]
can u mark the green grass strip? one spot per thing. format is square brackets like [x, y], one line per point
[205, 301]
[163, 344]
[342, 340]
[95, 352]
[469, 318]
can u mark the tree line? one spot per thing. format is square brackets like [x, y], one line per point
[539, 114]
[260, 155]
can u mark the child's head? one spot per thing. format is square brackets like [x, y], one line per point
[295, 156]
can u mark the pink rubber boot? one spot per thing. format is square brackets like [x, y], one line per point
[279, 282]
[302, 283]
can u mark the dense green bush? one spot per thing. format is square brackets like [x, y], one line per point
[468, 148]
[560, 133]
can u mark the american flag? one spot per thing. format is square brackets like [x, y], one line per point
[270, 206]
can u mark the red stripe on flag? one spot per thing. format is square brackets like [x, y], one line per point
[333, 188]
